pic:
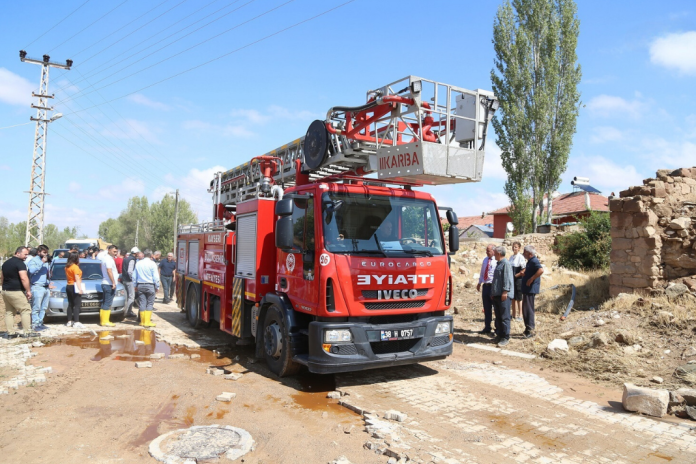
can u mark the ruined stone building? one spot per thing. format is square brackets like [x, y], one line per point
[653, 230]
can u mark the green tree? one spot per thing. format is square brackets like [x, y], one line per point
[589, 248]
[13, 235]
[535, 77]
[153, 223]
[161, 221]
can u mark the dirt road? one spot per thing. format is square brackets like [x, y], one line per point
[96, 406]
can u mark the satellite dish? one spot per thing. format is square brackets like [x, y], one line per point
[509, 227]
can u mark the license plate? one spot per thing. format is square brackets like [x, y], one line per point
[398, 334]
[91, 304]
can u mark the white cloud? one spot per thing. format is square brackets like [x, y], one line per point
[224, 130]
[603, 134]
[675, 51]
[193, 187]
[86, 220]
[127, 188]
[666, 154]
[14, 89]
[609, 106]
[74, 187]
[131, 129]
[605, 174]
[492, 166]
[141, 99]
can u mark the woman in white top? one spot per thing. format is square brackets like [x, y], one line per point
[518, 263]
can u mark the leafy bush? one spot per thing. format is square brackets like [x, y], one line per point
[589, 248]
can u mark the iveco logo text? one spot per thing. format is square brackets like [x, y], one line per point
[398, 264]
[404, 294]
[395, 280]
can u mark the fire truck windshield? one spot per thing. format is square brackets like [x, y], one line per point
[394, 227]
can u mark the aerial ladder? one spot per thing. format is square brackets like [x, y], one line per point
[412, 130]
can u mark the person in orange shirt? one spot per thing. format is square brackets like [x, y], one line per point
[73, 274]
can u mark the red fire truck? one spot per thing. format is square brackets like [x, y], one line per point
[322, 254]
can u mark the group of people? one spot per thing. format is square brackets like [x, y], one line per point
[509, 283]
[26, 285]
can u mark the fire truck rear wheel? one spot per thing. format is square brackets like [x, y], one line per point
[193, 311]
[277, 344]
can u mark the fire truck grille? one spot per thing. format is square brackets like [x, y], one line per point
[372, 294]
[439, 341]
[396, 346]
[396, 305]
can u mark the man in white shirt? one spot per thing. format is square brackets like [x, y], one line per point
[485, 280]
[109, 279]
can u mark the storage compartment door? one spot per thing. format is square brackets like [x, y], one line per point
[246, 247]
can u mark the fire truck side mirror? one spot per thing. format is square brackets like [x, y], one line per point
[284, 233]
[284, 207]
[453, 238]
[452, 218]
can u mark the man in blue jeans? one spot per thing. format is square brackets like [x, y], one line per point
[167, 271]
[37, 268]
[485, 280]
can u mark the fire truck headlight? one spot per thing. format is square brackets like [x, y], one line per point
[341, 335]
[443, 328]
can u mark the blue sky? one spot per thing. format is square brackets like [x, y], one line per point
[639, 69]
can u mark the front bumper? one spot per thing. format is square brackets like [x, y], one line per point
[59, 306]
[367, 351]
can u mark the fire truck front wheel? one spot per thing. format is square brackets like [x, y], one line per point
[277, 350]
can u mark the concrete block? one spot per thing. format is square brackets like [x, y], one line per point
[139, 342]
[143, 364]
[157, 356]
[214, 371]
[226, 397]
[195, 356]
[645, 400]
[395, 415]
[233, 376]
[177, 356]
[334, 395]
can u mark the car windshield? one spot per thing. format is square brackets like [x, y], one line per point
[394, 227]
[79, 246]
[90, 271]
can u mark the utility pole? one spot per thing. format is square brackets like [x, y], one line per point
[137, 231]
[176, 221]
[37, 187]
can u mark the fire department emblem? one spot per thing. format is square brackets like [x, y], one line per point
[290, 262]
[324, 259]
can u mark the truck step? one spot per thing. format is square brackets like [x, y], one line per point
[301, 359]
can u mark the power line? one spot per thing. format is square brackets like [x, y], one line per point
[148, 38]
[184, 51]
[56, 24]
[126, 25]
[90, 25]
[205, 63]
[156, 152]
[17, 125]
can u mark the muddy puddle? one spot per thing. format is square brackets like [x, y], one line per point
[136, 345]
[311, 394]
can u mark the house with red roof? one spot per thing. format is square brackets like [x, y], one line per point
[567, 207]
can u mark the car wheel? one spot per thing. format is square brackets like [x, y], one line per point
[277, 344]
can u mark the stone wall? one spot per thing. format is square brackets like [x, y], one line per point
[542, 243]
[653, 232]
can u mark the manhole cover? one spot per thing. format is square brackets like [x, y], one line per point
[201, 443]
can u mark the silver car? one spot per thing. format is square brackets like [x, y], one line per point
[93, 295]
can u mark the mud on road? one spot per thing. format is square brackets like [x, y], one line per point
[476, 407]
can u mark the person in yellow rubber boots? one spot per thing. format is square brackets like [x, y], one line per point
[109, 279]
[147, 282]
